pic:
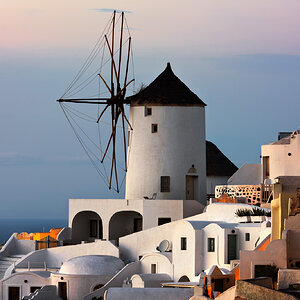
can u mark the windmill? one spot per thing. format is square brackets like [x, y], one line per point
[111, 57]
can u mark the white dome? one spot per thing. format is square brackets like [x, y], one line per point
[92, 265]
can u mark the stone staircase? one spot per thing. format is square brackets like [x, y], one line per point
[6, 262]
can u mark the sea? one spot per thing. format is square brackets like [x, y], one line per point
[10, 226]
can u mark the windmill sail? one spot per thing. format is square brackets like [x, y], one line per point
[103, 81]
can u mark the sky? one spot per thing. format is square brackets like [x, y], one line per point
[241, 57]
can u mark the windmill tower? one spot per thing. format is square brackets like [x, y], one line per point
[166, 148]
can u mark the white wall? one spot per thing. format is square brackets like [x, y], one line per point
[149, 280]
[17, 279]
[281, 164]
[53, 257]
[149, 293]
[117, 280]
[47, 292]
[163, 264]
[185, 260]
[77, 285]
[14, 246]
[154, 209]
[140, 243]
[105, 208]
[255, 231]
[212, 181]
[247, 174]
[151, 210]
[216, 257]
[178, 144]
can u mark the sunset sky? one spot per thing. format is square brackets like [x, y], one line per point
[242, 58]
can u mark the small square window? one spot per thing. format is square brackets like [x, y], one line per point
[154, 128]
[165, 184]
[211, 245]
[153, 268]
[148, 111]
[183, 243]
[247, 236]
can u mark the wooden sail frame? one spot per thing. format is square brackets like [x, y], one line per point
[116, 101]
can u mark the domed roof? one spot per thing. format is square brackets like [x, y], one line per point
[166, 89]
[92, 265]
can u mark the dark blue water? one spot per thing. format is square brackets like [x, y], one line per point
[9, 226]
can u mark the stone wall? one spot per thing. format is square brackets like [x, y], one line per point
[254, 194]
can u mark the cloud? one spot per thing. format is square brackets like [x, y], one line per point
[19, 159]
[110, 10]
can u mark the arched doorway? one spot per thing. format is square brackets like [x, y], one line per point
[123, 223]
[184, 279]
[87, 226]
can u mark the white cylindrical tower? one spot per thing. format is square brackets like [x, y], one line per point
[166, 148]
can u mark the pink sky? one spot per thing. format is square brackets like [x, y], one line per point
[211, 27]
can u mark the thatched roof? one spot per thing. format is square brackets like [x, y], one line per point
[217, 164]
[166, 89]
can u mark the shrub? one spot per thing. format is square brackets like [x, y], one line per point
[243, 212]
[255, 211]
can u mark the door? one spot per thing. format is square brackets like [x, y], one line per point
[190, 187]
[219, 286]
[62, 290]
[14, 293]
[231, 247]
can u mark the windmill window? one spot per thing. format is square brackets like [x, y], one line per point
[210, 245]
[154, 128]
[183, 243]
[165, 184]
[148, 111]
[247, 236]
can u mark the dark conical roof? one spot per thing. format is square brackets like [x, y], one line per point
[217, 164]
[166, 89]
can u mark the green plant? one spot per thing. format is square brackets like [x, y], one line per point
[243, 212]
[268, 213]
[256, 211]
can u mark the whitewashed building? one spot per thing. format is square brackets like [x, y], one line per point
[166, 151]
[281, 158]
[167, 181]
[254, 181]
